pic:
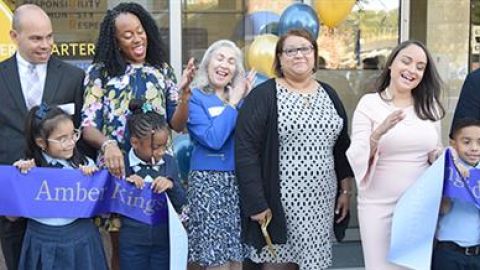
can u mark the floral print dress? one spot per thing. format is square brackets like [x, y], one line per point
[107, 98]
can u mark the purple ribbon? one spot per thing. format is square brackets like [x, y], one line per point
[61, 193]
[456, 187]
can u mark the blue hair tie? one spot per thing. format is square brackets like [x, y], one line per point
[42, 111]
[147, 107]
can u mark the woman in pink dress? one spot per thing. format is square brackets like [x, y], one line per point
[395, 135]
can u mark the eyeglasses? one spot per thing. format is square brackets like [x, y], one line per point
[291, 52]
[65, 142]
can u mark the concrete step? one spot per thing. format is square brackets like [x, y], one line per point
[349, 268]
[348, 255]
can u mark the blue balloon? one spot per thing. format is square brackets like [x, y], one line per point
[182, 150]
[256, 22]
[259, 78]
[299, 16]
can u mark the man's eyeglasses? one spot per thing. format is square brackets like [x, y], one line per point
[65, 142]
[291, 52]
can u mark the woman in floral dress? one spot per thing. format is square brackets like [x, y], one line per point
[129, 63]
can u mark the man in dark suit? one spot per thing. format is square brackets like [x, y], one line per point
[468, 105]
[28, 78]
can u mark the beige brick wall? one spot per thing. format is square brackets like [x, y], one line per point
[448, 26]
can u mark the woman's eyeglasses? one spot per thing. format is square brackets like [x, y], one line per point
[291, 52]
[65, 142]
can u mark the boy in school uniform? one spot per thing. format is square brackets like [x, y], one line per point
[457, 244]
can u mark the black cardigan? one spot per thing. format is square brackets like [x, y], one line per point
[257, 160]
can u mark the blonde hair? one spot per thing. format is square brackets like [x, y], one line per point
[201, 80]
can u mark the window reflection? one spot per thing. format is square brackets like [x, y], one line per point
[370, 31]
[205, 21]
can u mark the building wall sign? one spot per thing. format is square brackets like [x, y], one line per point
[74, 50]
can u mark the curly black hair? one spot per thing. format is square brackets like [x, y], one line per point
[107, 51]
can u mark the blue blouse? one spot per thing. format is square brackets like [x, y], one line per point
[211, 125]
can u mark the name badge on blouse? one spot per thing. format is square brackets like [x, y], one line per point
[215, 111]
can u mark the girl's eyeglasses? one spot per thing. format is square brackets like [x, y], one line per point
[65, 142]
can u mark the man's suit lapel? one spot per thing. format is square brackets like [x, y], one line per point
[54, 74]
[12, 82]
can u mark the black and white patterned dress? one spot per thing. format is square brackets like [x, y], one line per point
[308, 127]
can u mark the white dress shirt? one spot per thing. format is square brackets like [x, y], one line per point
[22, 65]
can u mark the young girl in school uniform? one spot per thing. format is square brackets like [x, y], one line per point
[57, 243]
[144, 246]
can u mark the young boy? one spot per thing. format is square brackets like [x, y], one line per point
[458, 233]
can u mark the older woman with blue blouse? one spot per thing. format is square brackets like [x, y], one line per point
[213, 196]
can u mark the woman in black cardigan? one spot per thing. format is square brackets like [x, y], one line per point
[290, 143]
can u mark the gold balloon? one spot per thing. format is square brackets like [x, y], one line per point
[261, 54]
[7, 47]
[333, 12]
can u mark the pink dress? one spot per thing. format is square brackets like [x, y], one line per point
[401, 157]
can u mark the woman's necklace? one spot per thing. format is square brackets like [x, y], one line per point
[306, 94]
[308, 99]
[388, 96]
[409, 115]
[401, 103]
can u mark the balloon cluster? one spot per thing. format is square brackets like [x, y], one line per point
[266, 26]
